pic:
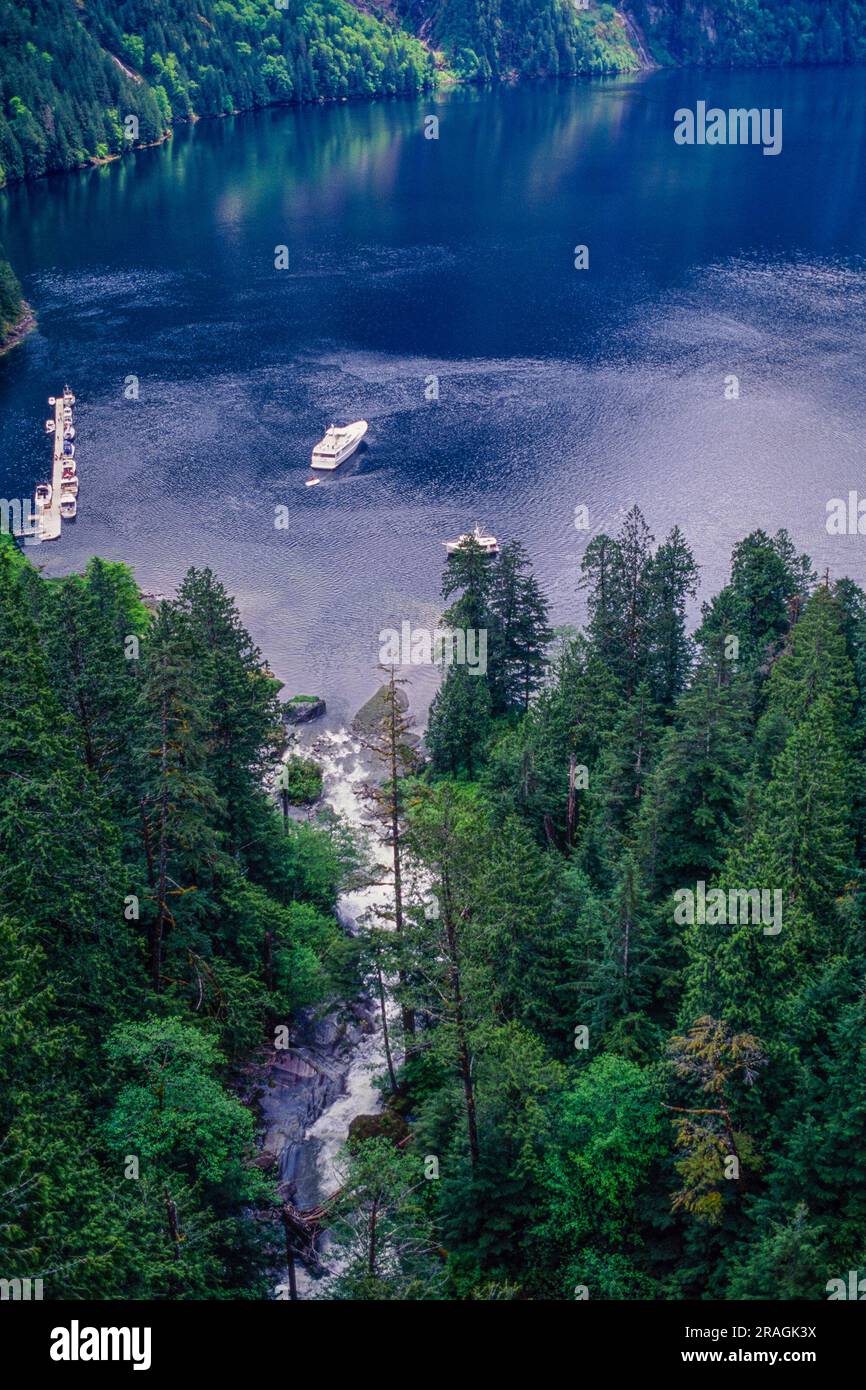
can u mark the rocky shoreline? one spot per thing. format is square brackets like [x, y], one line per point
[16, 335]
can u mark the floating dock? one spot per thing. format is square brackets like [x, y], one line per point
[50, 523]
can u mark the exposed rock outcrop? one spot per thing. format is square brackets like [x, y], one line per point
[302, 709]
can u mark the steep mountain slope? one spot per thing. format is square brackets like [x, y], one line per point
[489, 38]
[753, 33]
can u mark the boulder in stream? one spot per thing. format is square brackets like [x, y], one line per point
[387, 1125]
[301, 709]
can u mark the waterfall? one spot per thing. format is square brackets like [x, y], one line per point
[349, 1062]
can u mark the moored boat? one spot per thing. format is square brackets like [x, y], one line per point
[489, 544]
[68, 506]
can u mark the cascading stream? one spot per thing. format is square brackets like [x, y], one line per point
[314, 1159]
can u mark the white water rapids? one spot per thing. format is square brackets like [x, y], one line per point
[345, 769]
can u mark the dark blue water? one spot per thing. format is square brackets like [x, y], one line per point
[411, 258]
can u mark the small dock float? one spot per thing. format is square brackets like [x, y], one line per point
[49, 514]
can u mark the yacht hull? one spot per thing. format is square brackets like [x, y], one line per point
[327, 457]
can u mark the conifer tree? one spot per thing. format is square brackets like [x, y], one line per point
[459, 721]
[602, 576]
[391, 743]
[542, 769]
[240, 714]
[469, 575]
[443, 831]
[521, 633]
[519, 932]
[770, 583]
[717, 1063]
[672, 579]
[617, 577]
[815, 665]
[620, 781]
[178, 802]
[635, 542]
[626, 963]
[691, 808]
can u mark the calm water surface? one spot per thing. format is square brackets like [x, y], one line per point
[411, 258]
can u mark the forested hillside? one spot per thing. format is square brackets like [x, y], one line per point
[549, 37]
[533, 38]
[593, 1088]
[753, 33]
[155, 914]
[612, 1095]
[70, 75]
[11, 303]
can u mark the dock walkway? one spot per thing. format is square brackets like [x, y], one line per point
[49, 520]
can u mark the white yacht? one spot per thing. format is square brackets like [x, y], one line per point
[489, 544]
[68, 506]
[339, 443]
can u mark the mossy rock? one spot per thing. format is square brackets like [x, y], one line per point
[386, 1125]
[302, 708]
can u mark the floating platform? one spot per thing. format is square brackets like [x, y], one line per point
[50, 522]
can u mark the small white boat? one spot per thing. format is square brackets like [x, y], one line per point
[312, 482]
[69, 432]
[70, 468]
[68, 398]
[339, 443]
[52, 400]
[67, 415]
[44, 493]
[68, 506]
[49, 426]
[489, 544]
[70, 488]
[68, 450]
